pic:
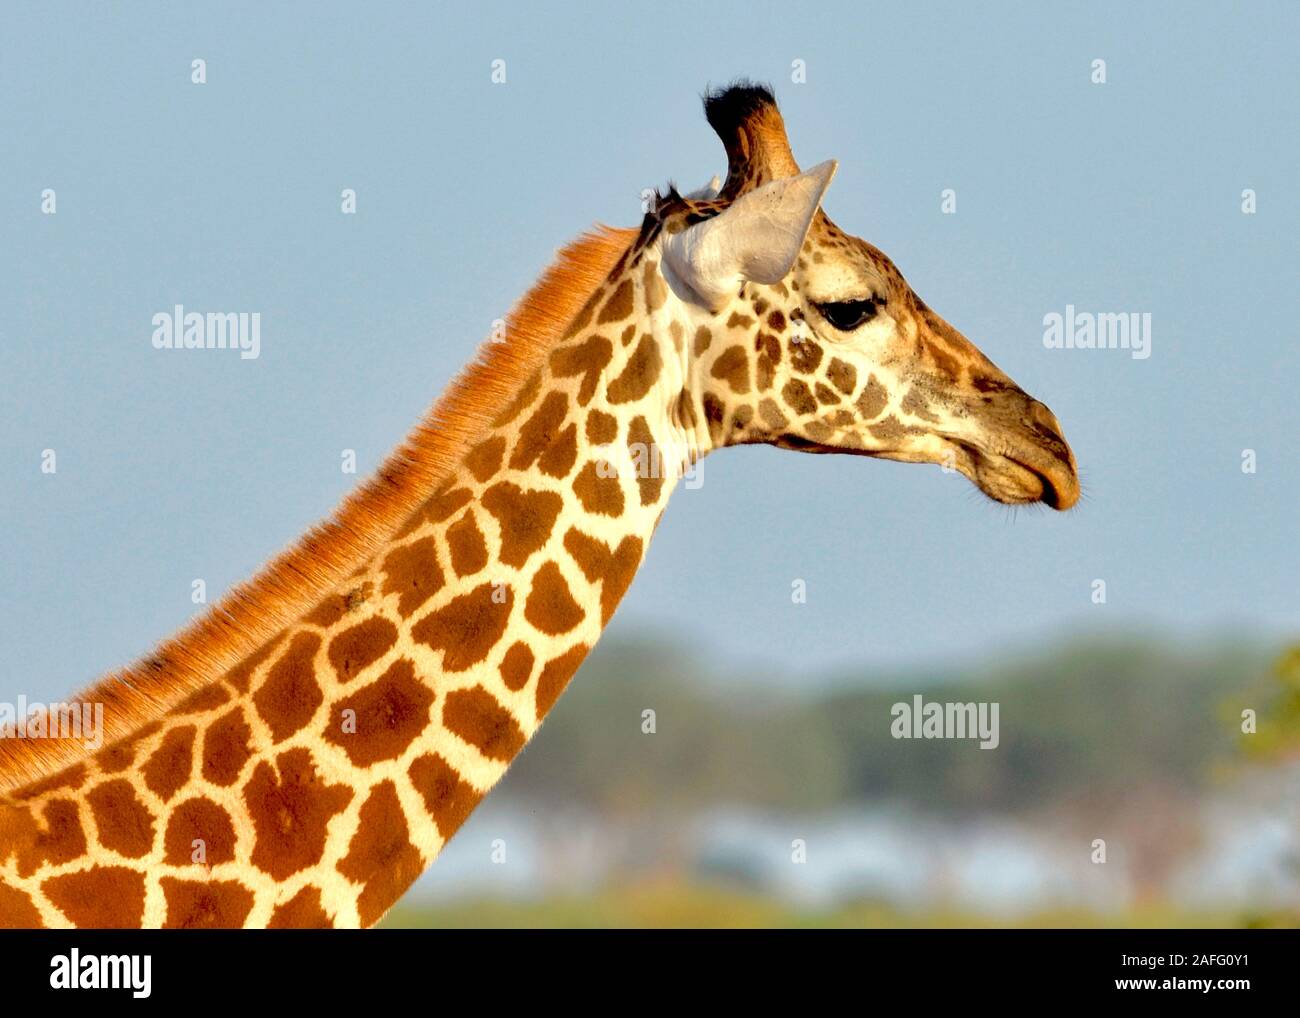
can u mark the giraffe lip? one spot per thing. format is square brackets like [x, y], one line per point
[1046, 492]
[1019, 478]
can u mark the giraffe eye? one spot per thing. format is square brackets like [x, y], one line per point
[847, 315]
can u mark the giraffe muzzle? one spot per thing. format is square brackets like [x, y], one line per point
[1021, 457]
[1059, 473]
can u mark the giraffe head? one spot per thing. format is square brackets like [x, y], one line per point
[805, 337]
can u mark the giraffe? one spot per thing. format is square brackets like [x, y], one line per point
[300, 754]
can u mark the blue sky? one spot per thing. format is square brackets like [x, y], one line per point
[1117, 197]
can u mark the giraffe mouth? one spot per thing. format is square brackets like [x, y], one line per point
[1008, 480]
[1015, 453]
[1020, 476]
[1007, 474]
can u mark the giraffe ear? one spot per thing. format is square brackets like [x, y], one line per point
[756, 238]
[709, 191]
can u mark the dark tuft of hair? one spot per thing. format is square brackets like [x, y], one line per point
[728, 108]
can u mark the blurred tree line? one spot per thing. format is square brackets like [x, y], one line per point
[1088, 724]
[1278, 723]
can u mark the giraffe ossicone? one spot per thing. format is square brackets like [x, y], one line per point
[304, 751]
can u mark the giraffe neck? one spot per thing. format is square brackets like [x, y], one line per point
[313, 782]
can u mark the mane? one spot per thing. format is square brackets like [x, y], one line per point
[298, 578]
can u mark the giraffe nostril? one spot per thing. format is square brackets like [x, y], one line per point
[1041, 417]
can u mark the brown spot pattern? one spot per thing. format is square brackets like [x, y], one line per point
[556, 675]
[619, 305]
[517, 667]
[225, 748]
[873, 400]
[798, 397]
[442, 506]
[587, 359]
[381, 855]
[468, 550]
[559, 457]
[914, 403]
[805, 356]
[522, 401]
[301, 912]
[169, 767]
[550, 608]
[890, 429]
[818, 431]
[655, 290]
[389, 714]
[769, 356]
[102, 897]
[640, 372]
[825, 394]
[590, 553]
[484, 459]
[70, 777]
[602, 428]
[205, 905]
[124, 824]
[716, 414]
[63, 839]
[360, 646]
[17, 911]
[732, 366]
[289, 695]
[448, 798]
[526, 519]
[291, 807]
[199, 819]
[539, 431]
[842, 375]
[412, 573]
[467, 627]
[476, 716]
[121, 754]
[647, 458]
[583, 316]
[598, 492]
[771, 414]
[622, 567]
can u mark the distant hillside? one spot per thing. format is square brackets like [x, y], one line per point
[1082, 723]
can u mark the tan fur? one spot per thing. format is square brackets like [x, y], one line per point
[301, 576]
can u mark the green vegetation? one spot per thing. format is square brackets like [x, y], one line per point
[1122, 737]
[680, 905]
[1079, 728]
[1278, 735]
